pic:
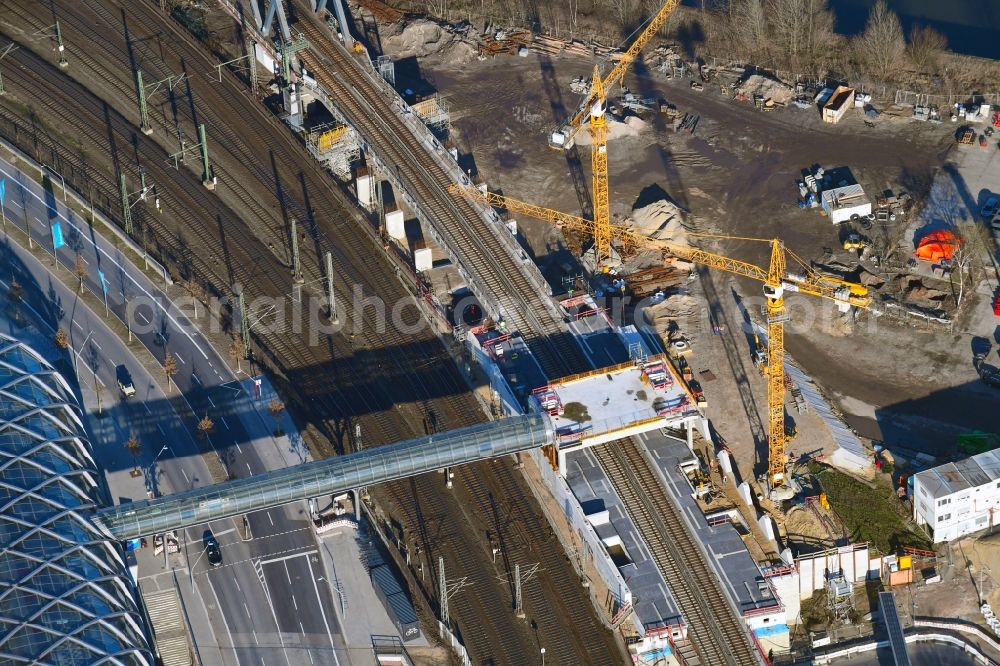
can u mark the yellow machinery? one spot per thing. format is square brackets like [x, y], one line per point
[594, 107]
[327, 139]
[777, 279]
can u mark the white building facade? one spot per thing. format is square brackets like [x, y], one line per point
[960, 498]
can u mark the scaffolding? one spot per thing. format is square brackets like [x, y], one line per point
[839, 596]
[434, 113]
[336, 146]
[386, 69]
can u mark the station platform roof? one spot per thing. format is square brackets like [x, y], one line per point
[654, 605]
[737, 570]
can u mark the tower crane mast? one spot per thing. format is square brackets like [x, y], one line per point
[594, 107]
[776, 279]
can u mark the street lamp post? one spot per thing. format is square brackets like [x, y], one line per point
[62, 180]
[149, 469]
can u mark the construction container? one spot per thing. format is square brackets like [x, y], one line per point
[837, 105]
[905, 562]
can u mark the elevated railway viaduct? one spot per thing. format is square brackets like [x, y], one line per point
[83, 121]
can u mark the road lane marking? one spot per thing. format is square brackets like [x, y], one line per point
[287, 574]
[110, 258]
[296, 604]
[288, 557]
[237, 581]
[77, 324]
[225, 624]
[138, 313]
[238, 448]
[209, 399]
[179, 357]
[223, 419]
[148, 410]
[195, 379]
[247, 610]
[250, 470]
[186, 480]
[269, 519]
[94, 342]
[160, 428]
[322, 611]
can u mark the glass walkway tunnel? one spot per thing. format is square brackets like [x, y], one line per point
[326, 477]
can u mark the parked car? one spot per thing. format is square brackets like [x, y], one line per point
[989, 208]
[125, 384]
[213, 552]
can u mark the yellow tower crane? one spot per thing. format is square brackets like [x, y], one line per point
[777, 279]
[594, 106]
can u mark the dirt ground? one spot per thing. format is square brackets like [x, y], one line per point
[736, 175]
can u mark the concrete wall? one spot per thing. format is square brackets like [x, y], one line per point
[853, 560]
[786, 588]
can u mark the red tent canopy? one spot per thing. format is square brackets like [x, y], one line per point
[937, 245]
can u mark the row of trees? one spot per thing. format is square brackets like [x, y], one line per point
[797, 35]
[793, 35]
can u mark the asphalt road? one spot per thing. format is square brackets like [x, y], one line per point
[276, 608]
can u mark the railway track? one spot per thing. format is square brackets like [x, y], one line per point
[222, 247]
[478, 249]
[718, 634]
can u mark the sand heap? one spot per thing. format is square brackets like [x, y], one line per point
[766, 88]
[660, 219]
[677, 306]
[423, 39]
[617, 129]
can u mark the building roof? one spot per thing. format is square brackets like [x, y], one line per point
[847, 196]
[951, 478]
[66, 595]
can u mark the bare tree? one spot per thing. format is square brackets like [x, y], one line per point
[236, 350]
[747, 22]
[624, 11]
[80, 271]
[973, 245]
[15, 292]
[62, 339]
[276, 408]
[925, 48]
[882, 45]
[802, 31]
[134, 446]
[573, 8]
[205, 426]
[196, 291]
[169, 367]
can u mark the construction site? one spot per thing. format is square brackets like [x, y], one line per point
[669, 341]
